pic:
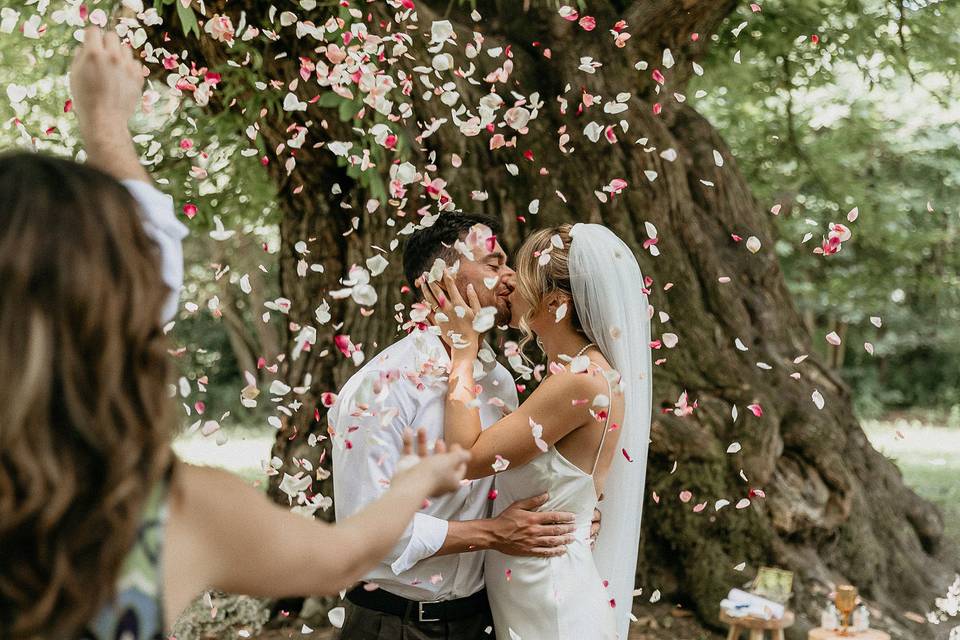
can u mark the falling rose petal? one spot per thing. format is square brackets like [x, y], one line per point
[626, 455]
[775, 209]
[579, 364]
[868, 346]
[734, 447]
[561, 312]
[500, 464]
[738, 343]
[720, 504]
[853, 215]
[190, 210]
[328, 399]
[833, 338]
[876, 321]
[336, 616]
[700, 507]
[670, 340]
[717, 158]
[743, 503]
[734, 413]
[753, 244]
[686, 496]
[588, 23]
[817, 398]
[756, 410]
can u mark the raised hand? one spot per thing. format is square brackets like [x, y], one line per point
[441, 472]
[106, 80]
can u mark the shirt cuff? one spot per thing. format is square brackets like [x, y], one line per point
[156, 208]
[427, 535]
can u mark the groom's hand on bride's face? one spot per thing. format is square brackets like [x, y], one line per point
[521, 530]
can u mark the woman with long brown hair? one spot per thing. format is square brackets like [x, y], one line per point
[102, 531]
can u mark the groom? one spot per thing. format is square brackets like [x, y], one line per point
[431, 584]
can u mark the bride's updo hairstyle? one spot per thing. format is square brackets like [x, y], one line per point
[535, 281]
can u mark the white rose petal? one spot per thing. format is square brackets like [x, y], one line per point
[817, 398]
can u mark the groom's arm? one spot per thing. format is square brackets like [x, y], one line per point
[520, 530]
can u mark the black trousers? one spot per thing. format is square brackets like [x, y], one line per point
[361, 623]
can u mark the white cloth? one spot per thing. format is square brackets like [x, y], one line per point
[405, 386]
[161, 224]
[607, 288]
[560, 598]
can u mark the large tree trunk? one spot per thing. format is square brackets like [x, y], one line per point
[835, 509]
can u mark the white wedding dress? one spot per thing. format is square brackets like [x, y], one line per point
[561, 598]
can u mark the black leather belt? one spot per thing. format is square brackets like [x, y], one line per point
[436, 611]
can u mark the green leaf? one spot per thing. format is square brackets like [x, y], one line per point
[329, 99]
[188, 20]
[346, 110]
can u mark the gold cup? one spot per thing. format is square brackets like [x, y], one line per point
[845, 600]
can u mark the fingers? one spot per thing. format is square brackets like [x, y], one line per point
[111, 43]
[554, 541]
[407, 442]
[530, 504]
[440, 447]
[92, 39]
[438, 295]
[450, 286]
[473, 299]
[548, 552]
[552, 530]
[428, 296]
[553, 517]
[421, 442]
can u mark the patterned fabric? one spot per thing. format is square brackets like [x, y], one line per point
[136, 612]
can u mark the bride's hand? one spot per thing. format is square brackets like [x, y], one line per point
[454, 315]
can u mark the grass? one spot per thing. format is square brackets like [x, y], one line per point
[929, 457]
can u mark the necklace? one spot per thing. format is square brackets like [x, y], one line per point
[580, 353]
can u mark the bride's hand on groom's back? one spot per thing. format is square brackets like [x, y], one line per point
[521, 530]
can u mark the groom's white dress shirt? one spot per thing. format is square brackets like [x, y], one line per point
[405, 385]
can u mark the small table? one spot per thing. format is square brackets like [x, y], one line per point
[757, 627]
[825, 634]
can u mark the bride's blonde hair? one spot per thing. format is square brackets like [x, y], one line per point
[535, 281]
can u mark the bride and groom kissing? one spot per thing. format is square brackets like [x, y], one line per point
[512, 552]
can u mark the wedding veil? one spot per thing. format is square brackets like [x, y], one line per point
[607, 293]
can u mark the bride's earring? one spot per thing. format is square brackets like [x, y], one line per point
[540, 344]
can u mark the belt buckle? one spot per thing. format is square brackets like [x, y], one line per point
[420, 612]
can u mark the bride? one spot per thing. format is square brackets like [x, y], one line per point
[581, 434]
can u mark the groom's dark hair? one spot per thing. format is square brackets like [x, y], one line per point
[426, 244]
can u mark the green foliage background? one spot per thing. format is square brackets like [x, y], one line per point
[867, 117]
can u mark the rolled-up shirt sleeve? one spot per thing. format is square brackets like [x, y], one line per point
[366, 450]
[161, 224]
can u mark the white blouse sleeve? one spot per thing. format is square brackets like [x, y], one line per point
[161, 224]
